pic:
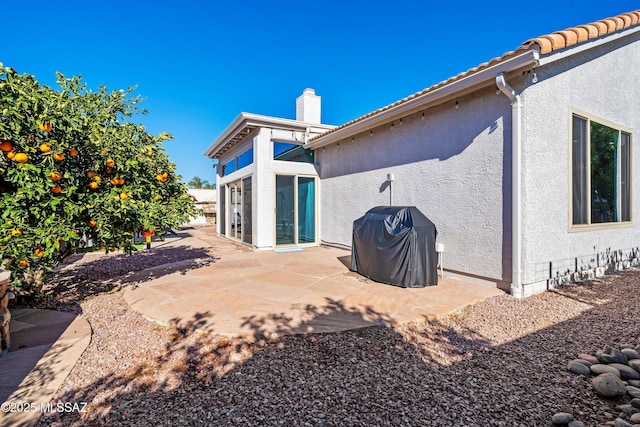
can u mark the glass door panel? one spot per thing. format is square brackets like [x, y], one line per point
[235, 211]
[223, 209]
[285, 200]
[306, 210]
[246, 210]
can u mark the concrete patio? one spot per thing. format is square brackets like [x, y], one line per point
[309, 291]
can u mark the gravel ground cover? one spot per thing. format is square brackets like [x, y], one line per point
[502, 362]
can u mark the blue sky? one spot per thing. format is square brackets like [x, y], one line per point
[198, 64]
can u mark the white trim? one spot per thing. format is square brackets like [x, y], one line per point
[256, 120]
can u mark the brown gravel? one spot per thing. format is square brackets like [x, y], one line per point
[502, 362]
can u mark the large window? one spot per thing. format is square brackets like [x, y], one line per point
[291, 152]
[601, 173]
[239, 162]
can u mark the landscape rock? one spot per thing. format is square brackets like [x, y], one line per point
[608, 385]
[611, 355]
[630, 353]
[600, 368]
[633, 391]
[626, 372]
[579, 368]
[561, 418]
[626, 408]
[622, 423]
[635, 364]
[635, 418]
[575, 423]
[588, 358]
[635, 403]
[584, 362]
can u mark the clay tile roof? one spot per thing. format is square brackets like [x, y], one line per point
[582, 33]
[546, 44]
[550, 42]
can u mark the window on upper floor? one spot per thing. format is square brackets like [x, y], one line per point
[600, 172]
[291, 152]
[238, 162]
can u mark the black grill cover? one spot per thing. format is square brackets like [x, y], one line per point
[395, 245]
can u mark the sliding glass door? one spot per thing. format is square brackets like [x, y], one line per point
[285, 200]
[295, 210]
[306, 210]
[236, 218]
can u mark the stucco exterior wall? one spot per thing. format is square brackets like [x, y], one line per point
[263, 171]
[451, 163]
[604, 83]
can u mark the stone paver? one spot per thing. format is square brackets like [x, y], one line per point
[45, 345]
[245, 292]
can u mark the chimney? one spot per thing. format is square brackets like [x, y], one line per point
[308, 107]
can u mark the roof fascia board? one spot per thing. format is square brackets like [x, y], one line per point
[257, 120]
[528, 58]
[590, 44]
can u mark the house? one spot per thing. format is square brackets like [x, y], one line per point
[525, 164]
[205, 200]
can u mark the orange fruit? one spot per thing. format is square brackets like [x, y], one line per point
[112, 250]
[56, 189]
[21, 158]
[23, 263]
[110, 162]
[114, 181]
[58, 156]
[46, 127]
[92, 223]
[108, 170]
[102, 247]
[38, 252]
[90, 174]
[73, 152]
[93, 185]
[55, 176]
[16, 232]
[124, 196]
[45, 148]
[159, 177]
[97, 178]
[165, 174]
[6, 146]
[11, 155]
[158, 197]
[120, 181]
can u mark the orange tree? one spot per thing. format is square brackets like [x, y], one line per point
[72, 165]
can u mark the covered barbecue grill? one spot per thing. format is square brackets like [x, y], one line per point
[395, 245]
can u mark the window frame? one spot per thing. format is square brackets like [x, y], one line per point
[621, 129]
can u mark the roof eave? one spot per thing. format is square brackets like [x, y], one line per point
[528, 58]
[249, 120]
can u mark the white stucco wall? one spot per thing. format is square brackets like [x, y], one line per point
[263, 172]
[605, 84]
[449, 163]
